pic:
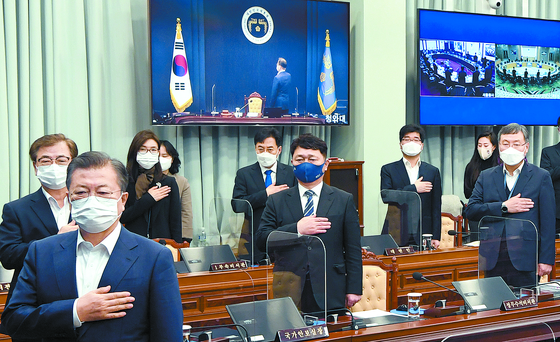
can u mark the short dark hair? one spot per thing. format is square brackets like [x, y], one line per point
[51, 140]
[514, 128]
[131, 164]
[174, 154]
[268, 132]
[310, 142]
[97, 160]
[411, 128]
[282, 62]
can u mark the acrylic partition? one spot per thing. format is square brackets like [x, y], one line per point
[404, 216]
[230, 223]
[509, 249]
[297, 260]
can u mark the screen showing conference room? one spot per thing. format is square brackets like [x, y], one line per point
[231, 49]
[475, 68]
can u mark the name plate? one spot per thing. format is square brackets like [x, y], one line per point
[228, 266]
[399, 250]
[521, 303]
[302, 334]
[4, 287]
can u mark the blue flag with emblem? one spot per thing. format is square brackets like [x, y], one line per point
[326, 94]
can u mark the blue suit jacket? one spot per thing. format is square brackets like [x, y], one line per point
[486, 200]
[23, 221]
[281, 90]
[342, 242]
[42, 302]
[395, 177]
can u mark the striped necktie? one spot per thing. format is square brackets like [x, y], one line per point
[309, 205]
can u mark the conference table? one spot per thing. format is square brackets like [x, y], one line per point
[204, 296]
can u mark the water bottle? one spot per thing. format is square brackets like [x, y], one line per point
[202, 238]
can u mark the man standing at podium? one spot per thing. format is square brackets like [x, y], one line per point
[254, 183]
[412, 174]
[281, 85]
[521, 192]
[317, 209]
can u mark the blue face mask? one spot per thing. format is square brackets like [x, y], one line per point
[307, 172]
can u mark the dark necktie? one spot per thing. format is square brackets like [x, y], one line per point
[309, 205]
[268, 179]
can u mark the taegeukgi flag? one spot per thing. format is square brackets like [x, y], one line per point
[180, 83]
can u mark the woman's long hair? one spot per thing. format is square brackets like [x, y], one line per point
[131, 164]
[475, 164]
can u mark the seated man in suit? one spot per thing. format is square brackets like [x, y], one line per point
[516, 190]
[254, 183]
[281, 86]
[101, 282]
[315, 208]
[43, 213]
[412, 174]
[550, 161]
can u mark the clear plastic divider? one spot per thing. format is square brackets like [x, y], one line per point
[403, 220]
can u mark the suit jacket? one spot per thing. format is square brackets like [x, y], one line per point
[249, 186]
[487, 198]
[162, 218]
[395, 177]
[42, 302]
[342, 241]
[23, 221]
[281, 90]
[550, 161]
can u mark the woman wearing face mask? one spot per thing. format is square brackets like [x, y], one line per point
[484, 157]
[153, 208]
[170, 163]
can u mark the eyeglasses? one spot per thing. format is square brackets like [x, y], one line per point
[60, 160]
[144, 150]
[407, 139]
[506, 144]
[81, 194]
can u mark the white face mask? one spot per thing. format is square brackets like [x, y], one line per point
[511, 156]
[52, 176]
[165, 163]
[95, 214]
[484, 152]
[266, 159]
[147, 160]
[411, 149]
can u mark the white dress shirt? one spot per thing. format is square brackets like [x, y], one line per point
[90, 264]
[412, 171]
[61, 215]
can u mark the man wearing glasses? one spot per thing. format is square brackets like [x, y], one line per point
[43, 213]
[412, 174]
[102, 282]
[517, 192]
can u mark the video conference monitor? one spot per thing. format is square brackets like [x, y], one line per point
[200, 259]
[221, 62]
[477, 69]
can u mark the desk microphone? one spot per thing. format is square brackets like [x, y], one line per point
[354, 325]
[247, 337]
[467, 308]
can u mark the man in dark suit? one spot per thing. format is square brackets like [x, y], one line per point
[550, 161]
[522, 192]
[43, 213]
[254, 183]
[316, 209]
[102, 282]
[412, 174]
[281, 86]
